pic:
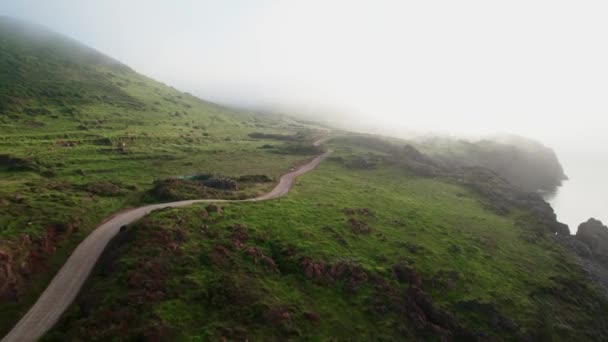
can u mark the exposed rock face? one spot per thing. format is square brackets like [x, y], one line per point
[590, 246]
[492, 182]
[7, 277]
[500, 195]
[523, 162]
[17, 265]
[594, 234]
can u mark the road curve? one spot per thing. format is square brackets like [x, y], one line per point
[66, 284]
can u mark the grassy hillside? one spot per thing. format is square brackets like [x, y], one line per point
[365, 248]
[83, 136]
[382, 242]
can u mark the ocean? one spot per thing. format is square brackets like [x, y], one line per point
[585, 194]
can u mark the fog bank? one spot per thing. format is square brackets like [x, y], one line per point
[535, 68]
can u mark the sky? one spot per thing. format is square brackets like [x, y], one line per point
[535, 68]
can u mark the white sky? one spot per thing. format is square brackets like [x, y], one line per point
[537, 68]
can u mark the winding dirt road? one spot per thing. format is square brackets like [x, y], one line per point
[63, 289]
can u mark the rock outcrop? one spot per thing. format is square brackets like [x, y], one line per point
[594, 234]
[590, 246]
[525, 163]
[20, 262]
[500, 195]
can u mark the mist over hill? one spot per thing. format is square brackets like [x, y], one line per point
[522, 161]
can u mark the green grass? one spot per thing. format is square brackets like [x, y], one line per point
[83, 136]
[72, 120]
[204, 296]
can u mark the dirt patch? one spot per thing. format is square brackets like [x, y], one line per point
[30, 258]
[259, 257]
[359, 227]
[350, 273]
[220, 255]
[239, 236]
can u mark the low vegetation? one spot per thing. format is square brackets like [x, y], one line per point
[83, 136]
[387, 240]
[374, 253]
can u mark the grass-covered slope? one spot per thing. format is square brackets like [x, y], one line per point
[41, 68]
[370, 246]
[83, 136]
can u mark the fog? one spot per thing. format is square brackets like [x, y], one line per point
[534, 68]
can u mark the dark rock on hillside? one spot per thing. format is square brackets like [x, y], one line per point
[590, 246]
[594, 234]
[575, 245]
[431, 321]
[501, 194]
[30, 257]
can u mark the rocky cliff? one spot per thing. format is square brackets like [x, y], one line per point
[594, 234]
[590, 245]
[523, 162]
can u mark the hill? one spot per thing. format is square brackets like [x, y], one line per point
[83, 136]
[375, 244]
[384, 241]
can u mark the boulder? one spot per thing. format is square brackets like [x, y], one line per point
[594, 234]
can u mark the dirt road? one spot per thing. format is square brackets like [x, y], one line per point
[63, 289]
